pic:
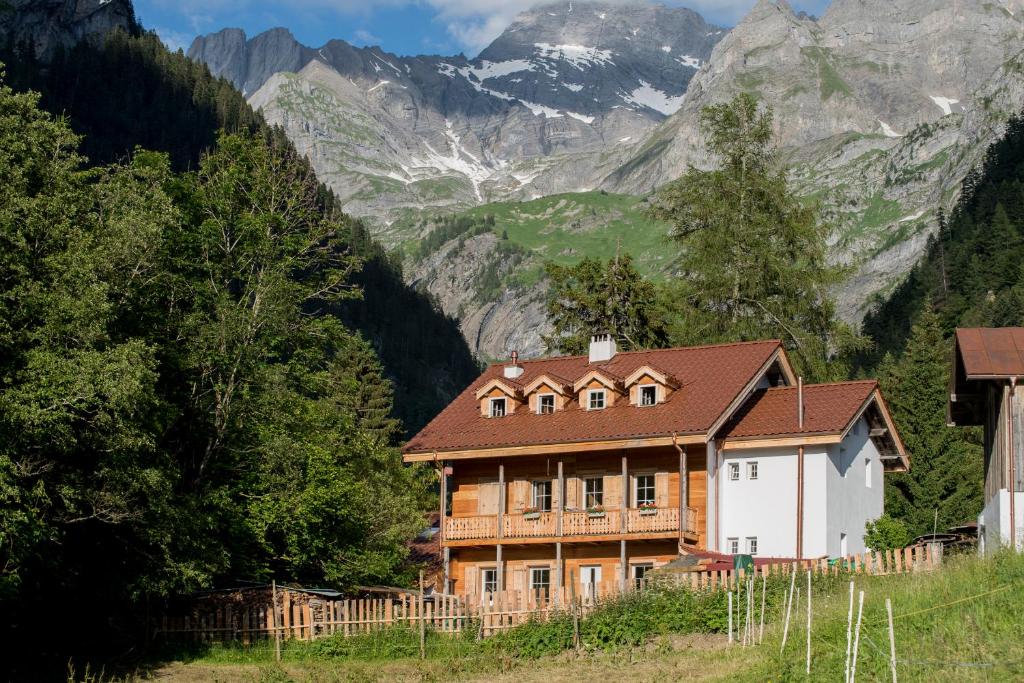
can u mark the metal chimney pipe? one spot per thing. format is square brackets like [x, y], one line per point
[800, 402]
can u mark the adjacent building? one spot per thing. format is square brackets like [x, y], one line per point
[598, 468]
[985, 390]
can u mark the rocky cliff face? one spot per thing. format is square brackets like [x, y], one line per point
[875, 106]
[550, 106]
[45, 26]
[881, 108]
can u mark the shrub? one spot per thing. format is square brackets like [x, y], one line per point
[886, 533]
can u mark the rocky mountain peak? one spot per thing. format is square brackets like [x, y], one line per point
[46, 26]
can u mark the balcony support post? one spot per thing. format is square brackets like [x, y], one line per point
[561, 499]
[625, 493]
[444, 500]
[623, 566]
[684, 487]
[447, 555]
[500, 568]
[501, 501]
[559, 572]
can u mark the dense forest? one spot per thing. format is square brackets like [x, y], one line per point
[973, 271]
[130, 91]
[205, 366]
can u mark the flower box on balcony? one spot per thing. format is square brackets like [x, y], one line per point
[646, 512]
[593, 514]
[531, 515]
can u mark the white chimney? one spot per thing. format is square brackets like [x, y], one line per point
[602, 348]
[514, 370]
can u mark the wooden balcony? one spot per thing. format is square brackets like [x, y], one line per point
[575, 524]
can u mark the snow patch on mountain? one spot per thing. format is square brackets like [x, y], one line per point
[649, 96]
[944, 103]
[579, 56]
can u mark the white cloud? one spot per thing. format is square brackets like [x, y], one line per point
[364, 37]
[174, 40]
[472, 24]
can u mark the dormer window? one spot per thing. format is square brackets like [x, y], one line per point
[648, 395]
[596, 399]
[545, 404]
[497, 407]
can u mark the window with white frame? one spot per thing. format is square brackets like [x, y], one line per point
[640, 572]
[752, 470]
[752, 545]
[648, 395]
[542, 496]
[732, 545]
[643, 490]
[593, 492]
[489, 580]
[867, 472]
[497, 407]
[545, 404]
[540, 580]
[734, 471]
[596, 399]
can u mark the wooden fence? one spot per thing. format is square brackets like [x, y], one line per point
[305, 615]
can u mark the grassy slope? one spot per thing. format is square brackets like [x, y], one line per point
[964, 623]
[564, 228]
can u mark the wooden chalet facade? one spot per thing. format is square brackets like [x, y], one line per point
[600, 467]
[986, 390]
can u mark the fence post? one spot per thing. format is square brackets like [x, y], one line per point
[423, 624]
[277, 630]
[892, 640]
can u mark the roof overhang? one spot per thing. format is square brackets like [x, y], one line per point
[556, 448]
[778, 356]
[883, 433]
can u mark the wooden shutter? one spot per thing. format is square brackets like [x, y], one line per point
[520, 495]
[487, 497]
[470, 580]
[661, 489]
[572, 492]
[613, 491]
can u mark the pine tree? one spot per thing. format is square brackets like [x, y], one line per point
[945, 462]
[593, 298]
[754, 256]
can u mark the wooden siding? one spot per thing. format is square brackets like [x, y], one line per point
[466, 563]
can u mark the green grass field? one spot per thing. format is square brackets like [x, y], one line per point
[961, 623]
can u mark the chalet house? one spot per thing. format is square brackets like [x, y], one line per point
[985, 390]
[597, 468]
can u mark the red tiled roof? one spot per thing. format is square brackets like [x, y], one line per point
[828, 409]
[710, 378]
[991, 351]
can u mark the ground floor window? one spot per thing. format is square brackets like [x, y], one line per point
[540, 580]
[751, 545]
[489, 580]
[640, 572]
[732, 545]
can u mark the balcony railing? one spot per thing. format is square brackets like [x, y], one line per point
[575, 523]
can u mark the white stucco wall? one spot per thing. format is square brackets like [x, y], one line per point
[833, 504]
[996, 521]
[766, 507]
[850, 502]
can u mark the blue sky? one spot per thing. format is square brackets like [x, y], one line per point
[400, 26]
